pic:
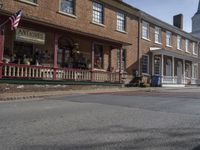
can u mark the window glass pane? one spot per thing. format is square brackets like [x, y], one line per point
[67, 6]
[97, 15]
[157, 64]
[145, 30]
[145, 63]
[179, 42]
[168, 38]
[157, 35]
[120, 22]
[98, 56]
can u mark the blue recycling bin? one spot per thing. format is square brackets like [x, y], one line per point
[156, 80]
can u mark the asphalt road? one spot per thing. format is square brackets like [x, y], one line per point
[163, 120]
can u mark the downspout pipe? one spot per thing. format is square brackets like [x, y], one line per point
[139, 43]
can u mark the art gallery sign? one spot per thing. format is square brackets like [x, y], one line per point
[30, 36]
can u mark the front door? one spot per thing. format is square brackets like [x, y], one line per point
[179, 72]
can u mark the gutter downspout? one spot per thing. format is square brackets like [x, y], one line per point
[139, 44]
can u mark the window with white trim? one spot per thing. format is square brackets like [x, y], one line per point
[121, 54]
[158, 35]
[121, 22]
[187, 45]
[67, 6]
[145, 30]
[179, 42]
[168, 39]
[145, 64]
[97, 13]
[157, 65]
[194, 48]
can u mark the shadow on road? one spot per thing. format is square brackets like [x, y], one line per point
[134, 139]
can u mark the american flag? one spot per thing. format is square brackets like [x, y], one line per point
[15, 18]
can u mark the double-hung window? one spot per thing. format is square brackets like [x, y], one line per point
[187, 45]
[157, 35]
[121, 22]
[67, 6]
[121, 59]
[168, 39]
[145, 64]
[194, 48]
[179, 42]
[97, 13]
[145, 30]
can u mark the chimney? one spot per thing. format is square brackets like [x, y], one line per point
[178, 21]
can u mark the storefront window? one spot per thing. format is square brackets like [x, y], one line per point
[188, 70]
[98, 56]
[157, 65]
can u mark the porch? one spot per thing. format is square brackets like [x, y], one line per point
[175, 69]
[21, 71]
[58, 56]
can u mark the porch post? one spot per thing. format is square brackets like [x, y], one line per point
[153, 72]
[162, 68]
[55, 65]
[120, 66]
[1, 50]
[92, 63]
[184, 71]
[173, 80]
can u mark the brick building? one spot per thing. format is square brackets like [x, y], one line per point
[93, 40]
[80, 39]
[168, 51]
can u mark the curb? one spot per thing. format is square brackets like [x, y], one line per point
[32, 95]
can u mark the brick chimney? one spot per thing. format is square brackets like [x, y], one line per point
[178, 21]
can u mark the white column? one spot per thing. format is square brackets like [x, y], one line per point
[184, 71]
[173, 69]
[153, 72]
[192, 70]
[162, 67]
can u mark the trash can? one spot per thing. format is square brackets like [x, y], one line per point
[156, 80]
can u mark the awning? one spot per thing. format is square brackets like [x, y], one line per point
[177, 54]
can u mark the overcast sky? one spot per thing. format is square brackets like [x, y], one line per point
[166, 9]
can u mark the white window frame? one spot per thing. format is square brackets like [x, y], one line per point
[158, 35]
[121, 22]
[187, 46]
[97, 13]
[179, 42]
[168, 39]
[194, 48]
[147, 64]
[145, 30]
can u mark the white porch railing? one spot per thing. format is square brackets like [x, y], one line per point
[168, 79]
[27, 71]
[179, 80]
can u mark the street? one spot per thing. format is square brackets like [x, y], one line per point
[157, 120]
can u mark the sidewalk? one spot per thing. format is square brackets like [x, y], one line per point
[39, 93]
[14, 92]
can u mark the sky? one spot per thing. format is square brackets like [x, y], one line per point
[166, 9]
